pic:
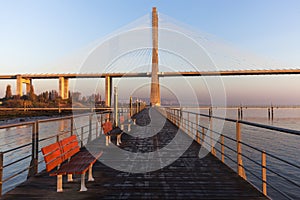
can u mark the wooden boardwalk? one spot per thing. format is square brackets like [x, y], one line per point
[189, 177]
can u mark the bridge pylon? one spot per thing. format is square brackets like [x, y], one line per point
[155, 88]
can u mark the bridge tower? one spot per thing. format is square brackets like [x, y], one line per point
[20, 81]
[155, 90]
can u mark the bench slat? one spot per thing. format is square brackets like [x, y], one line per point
[69, 147]
[50, 148]
[52, 156]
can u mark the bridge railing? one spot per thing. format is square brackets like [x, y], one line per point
[21, 143]
[193, 124]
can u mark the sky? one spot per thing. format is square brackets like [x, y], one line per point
[35, 35]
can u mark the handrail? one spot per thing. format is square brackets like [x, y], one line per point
[273, 128]
[16, 125]
[50, 119]
[193, 127]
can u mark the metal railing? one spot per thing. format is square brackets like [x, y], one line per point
[191, 124]
[86, 129]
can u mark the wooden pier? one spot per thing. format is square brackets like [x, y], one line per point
[189, 177]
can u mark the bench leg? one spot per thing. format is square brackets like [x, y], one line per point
[70, 178]
[82, 186]
[59, 183]
[129, 127]
[91, 173]
[119, 139]
[106, 139]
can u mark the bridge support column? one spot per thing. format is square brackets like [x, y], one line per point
[20, 81]
[108, 86]
[63, 87]
[19, 86]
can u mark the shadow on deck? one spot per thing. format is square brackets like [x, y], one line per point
[189, 177]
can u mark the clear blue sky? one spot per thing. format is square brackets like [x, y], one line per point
[36, 32]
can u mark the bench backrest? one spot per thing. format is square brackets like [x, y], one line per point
[58, 152]
[52, 156]
[69, 147]
[107, 126]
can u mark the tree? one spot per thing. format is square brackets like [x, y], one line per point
[75, 96]
[8, 93]
[53, 95]
[83, 100]
[46, 96]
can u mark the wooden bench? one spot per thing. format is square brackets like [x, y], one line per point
[108, 130]
[107, 127]
[69, 160]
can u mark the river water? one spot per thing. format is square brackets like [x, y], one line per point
[283, 145]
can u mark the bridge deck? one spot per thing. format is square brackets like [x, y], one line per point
[189, 177]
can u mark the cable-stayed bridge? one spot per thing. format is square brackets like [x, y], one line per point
[188, 176]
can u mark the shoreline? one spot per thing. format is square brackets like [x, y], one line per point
[12, 117]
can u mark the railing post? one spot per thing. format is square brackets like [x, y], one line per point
[203, 135]
[36, 163]
[81, 136]
[33, 167]
[90, 128]
[213, 152]
[174, 118]
[1, 172]
[116, 109]
[178, 119]
[188, 124]
[97, 127]
[72, 125]
[197, 129]
[264, 172]
[222, 149]
[101, 120]
[240, 167]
